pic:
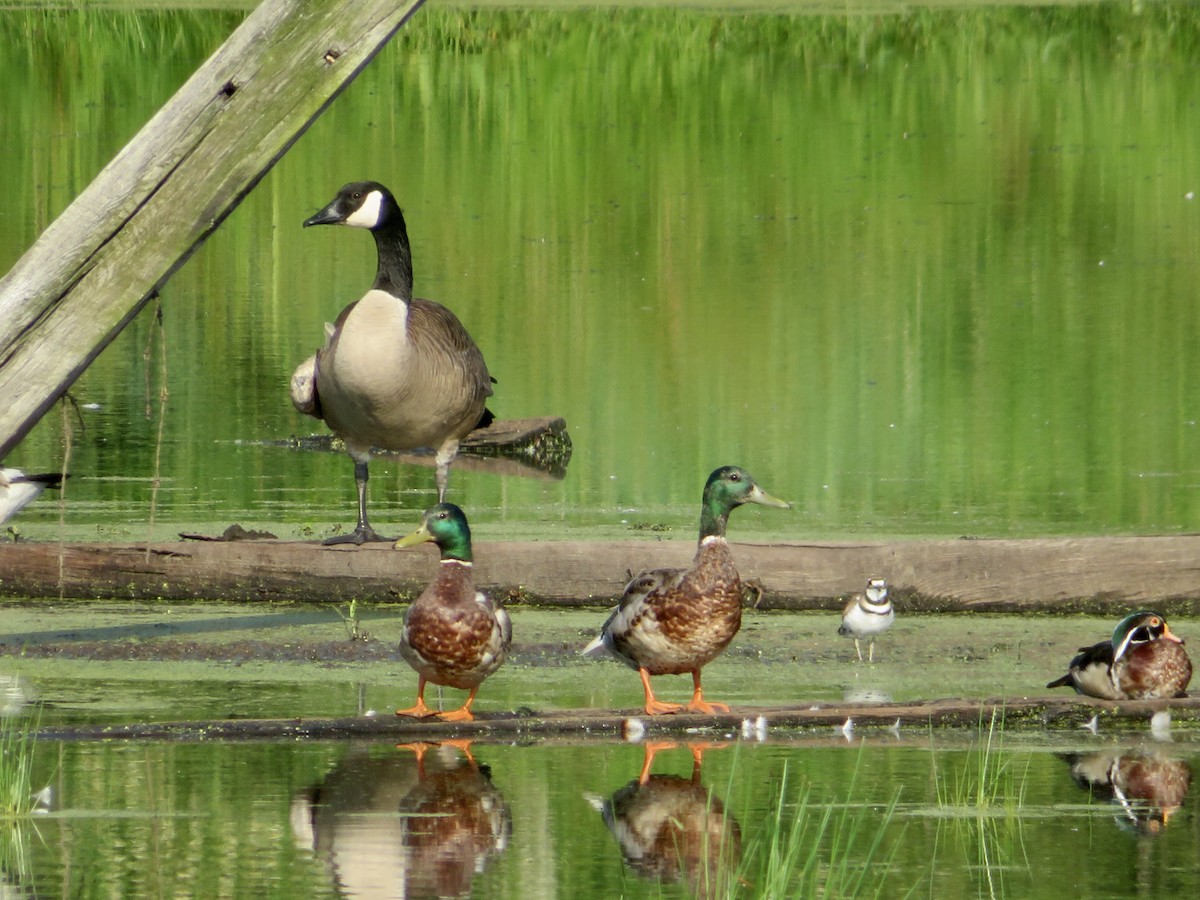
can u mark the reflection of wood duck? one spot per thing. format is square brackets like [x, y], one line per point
[1144, 660]
[1147, 786]
[675, 621]
[453, 634]
[866, 615]
[366, 821]
[673, 829]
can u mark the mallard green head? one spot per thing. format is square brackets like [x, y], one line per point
[1140, 627]
[728, 488]
[446, 525]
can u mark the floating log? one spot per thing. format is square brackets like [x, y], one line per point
[141, 218]
[530, 448]
[782, 722]
[1099, 575]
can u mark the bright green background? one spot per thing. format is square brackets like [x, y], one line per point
[930, 273]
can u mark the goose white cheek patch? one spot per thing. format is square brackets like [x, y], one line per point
[367, 215]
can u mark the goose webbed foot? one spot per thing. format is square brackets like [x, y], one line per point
[363, 534]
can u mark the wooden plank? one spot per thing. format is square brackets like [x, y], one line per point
[120, 241]
[1101, 575]
[526, 448]
[782, 722]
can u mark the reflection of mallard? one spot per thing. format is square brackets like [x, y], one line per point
[674, 621]
[454, 822]
[1144, 660]
[366, 821]
[673, 829]
[1147, 786]
[453, 634]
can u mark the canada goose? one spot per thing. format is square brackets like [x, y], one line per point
[671, 621]
[396, 372]
[18, 490]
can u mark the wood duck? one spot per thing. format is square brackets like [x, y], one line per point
[1144, 660]
[674, 621]
[453, 634]
[396, 372]
[1146, 786]
[867, 615]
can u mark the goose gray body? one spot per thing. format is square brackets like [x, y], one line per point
[396, 372]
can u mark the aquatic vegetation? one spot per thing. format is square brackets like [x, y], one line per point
[804, 848]
[992, 780]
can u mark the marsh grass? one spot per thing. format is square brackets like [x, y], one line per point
[18, 799]
[992, 780]
[979, 807]
[805, 848]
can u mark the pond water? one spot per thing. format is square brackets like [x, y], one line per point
[924, 273]
[991, 811]
[930, 272]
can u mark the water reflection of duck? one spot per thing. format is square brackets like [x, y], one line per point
[399, 826]
[1147, 786]
[1144, 660]
[674, 829]
[676, 621]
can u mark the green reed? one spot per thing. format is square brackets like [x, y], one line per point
[811, 849]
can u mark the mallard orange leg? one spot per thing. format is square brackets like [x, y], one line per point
[463, 713]
[697, 703]
[656, 707]
[420, 710]
[651, 748]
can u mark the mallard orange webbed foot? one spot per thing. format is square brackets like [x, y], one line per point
[655, 707]
[698, 704]
[420, 710]
[463, 713]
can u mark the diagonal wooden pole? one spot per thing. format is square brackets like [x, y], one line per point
[150, 208]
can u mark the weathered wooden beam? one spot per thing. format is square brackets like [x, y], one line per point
[1099, 575]
[602, 724]
[141, 218]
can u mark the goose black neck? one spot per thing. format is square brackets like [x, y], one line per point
[395, 271]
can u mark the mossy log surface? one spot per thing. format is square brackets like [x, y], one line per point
[595, 724]
[1097, 575]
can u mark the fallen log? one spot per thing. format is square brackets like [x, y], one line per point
[593, 724]
[529, 448]
[1098, 575]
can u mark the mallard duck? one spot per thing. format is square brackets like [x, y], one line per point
[1144, 660]
[866, 615]
[672, 621]
[18, 490]
[396, 372]
[673, 829]
[453, 634]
